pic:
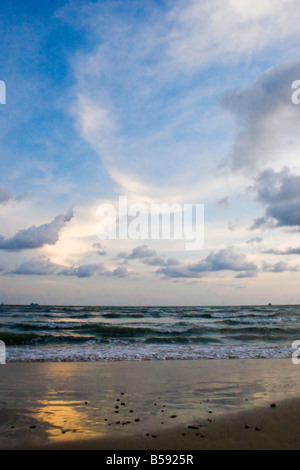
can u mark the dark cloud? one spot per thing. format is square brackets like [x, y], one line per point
[255, 240]
[36, 267]
[121, 272]
[159, 261]
[84, 271]
[141, 252]
[179, 272]
[224, 202]
[100, 249]
[289, 251]
[280, 192]
[224, 260]
[44, 267]
[5, 194]
[36, 237]
[265, 115]
[280, 267]
[247, 275]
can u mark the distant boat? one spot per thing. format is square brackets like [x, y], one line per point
[270, 305]
[34, 305]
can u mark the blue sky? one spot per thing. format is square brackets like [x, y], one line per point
[160, 101]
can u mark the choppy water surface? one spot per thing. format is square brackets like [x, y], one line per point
[53, 333]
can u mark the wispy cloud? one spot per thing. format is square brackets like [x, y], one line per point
[207, 32]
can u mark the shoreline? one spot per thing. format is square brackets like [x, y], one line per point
[121, 405]
[256, 429]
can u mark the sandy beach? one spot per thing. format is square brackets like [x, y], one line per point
[166, 405]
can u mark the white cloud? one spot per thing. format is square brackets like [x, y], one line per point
[207, 32]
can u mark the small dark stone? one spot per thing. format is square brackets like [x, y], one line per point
[116, 407]
[247, 427]
[137, 420]
[173, 416]
[86, 403]
[273, 405]
[257, 429]
[154, 436]
[147, 434]
[123, 404]
[32, 427]
[130, 411]
[191, 426]
[122, 393]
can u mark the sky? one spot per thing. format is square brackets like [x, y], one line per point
[164, 102]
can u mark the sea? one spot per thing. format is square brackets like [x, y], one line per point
[68, 333]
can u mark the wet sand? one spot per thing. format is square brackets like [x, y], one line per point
[166, 405]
